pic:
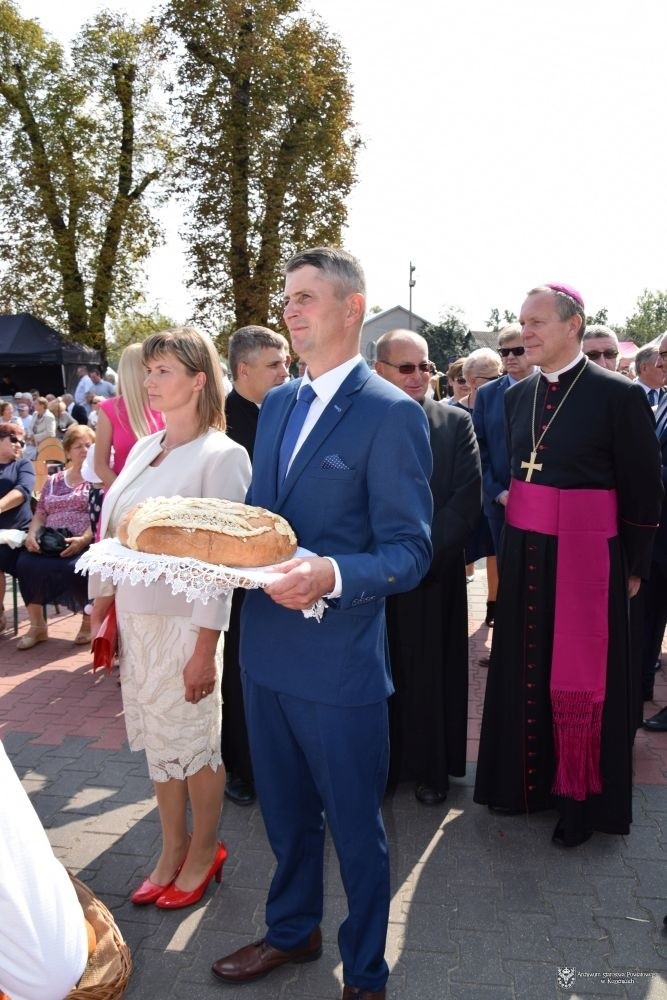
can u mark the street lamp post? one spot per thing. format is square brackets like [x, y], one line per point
[411, 285]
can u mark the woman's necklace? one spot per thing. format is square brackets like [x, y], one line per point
[533, 465]
[166, 448]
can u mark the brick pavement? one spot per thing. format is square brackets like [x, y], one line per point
[483, 908]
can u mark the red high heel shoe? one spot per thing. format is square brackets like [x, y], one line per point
[174, 898]
[149, 892]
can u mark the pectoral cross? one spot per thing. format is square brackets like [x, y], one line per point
[531, 466]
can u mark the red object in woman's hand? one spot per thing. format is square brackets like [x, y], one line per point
[105, 643]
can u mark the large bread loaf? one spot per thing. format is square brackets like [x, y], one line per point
[215, 531]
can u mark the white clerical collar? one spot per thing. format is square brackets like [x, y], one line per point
[554, 376]
[326, 386]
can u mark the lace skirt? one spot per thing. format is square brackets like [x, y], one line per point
[179, 738]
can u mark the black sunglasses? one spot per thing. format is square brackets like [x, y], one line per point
[408, 369]
[516, 351]
[596, 355]
[15, 440]
[460, 380]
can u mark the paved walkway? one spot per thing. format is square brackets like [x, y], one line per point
[483, 908]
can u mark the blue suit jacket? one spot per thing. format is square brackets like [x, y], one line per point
[489, 422]
[660, 543]
[358, 490]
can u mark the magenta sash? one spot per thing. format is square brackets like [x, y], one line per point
[583, 521]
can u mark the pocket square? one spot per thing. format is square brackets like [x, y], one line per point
[335, 462]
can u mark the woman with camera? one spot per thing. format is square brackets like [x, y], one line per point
[59, 532]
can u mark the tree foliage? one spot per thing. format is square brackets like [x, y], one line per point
[133, 327]
[649, 319]
[271, 147]
[496, 322]
[82, 146]
[448, 339]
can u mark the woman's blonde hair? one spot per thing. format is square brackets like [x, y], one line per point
[197, 354]
[131, 375]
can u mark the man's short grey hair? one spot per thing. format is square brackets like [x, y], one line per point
[646, 355]
[248, 340]
[566, 306]
[599, 330]
[510, 332]
[383, 342]
[337, 265]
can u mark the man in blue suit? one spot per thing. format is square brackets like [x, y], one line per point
[489, 422]
[356, 492]
[655, 588]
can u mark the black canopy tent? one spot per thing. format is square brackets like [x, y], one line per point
[34, 356]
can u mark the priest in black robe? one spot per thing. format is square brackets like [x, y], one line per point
[585, 498]
[258, 360]
[428, 627]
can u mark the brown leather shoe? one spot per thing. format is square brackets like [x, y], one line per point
[258, 959]
[356, 993]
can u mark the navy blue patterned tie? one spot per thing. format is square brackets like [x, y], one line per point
[652, 396]
[297, 418]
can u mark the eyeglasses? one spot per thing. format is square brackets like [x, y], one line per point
[505, 352]
[487, 378]
[408, 369]
[596, 355]
[461, 380]
[16, 440]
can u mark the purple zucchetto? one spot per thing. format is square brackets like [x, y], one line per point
[566, 290]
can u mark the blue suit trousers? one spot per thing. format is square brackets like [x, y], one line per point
[311, 761]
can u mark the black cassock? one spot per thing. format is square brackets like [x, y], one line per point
[603, 438]
[428, 626]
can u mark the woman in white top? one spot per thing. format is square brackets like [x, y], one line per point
[170, 653]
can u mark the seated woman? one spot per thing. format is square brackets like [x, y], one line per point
[171, 650]
[17, 480]
[46, 579]
[43, 422]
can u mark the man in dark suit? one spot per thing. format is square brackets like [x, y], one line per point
[258, 360]
[428, 626]
[489, 421]
[655, 588]
[356, 492]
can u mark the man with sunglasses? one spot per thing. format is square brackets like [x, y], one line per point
[17, 481]
[600, 345]
[428, 712]
[489, 420]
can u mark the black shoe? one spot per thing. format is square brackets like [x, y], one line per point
[657, 723]
[573, 838]
[240, 791]
[490, 613]
[429, 796]
[506, 811]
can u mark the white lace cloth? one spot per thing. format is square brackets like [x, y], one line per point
[196, 579]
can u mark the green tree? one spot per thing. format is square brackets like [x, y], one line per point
[649, 319]
[448, 339]
[83, 143]
[495, 322]
[601, 317]
[271, 149]
[133, 327]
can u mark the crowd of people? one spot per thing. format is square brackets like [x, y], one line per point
[538, 456]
